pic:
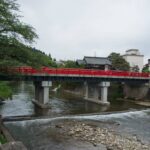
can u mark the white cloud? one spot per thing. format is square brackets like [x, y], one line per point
[70, 29]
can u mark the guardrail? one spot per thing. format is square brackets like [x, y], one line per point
[75, 71]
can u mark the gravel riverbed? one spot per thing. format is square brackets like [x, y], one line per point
[102, 137]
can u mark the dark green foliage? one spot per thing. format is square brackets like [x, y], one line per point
[25, 56]
[72, 64]
[146, 68]
[11, 28]
[118, 62]
[2, 139]
[37, 58]
[5, 90]
[115, 91]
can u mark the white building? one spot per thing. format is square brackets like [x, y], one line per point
[134, 58]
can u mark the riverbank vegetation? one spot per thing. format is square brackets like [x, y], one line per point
[25, 57]
[146, 68]
[2, 139]
[5, 90]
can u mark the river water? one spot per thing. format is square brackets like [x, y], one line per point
[132, 119]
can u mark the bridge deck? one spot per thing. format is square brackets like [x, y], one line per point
[45, 73]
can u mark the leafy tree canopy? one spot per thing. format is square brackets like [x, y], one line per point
[15, 38]
[72, 64]
[146, 68]
[118, 62]
[25, 56]
[12, 30]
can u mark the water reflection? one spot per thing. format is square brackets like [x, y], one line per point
[95, 107]
[61, 103]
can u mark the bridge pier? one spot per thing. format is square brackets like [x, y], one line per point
[104, 92]
[86, 94]
[93, 92]
[42, 93]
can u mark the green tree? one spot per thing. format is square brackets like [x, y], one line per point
[37, 59]
[72, 64]
[146, 68]
[5, 90]
[15, 40]
[12, 30]
[14, 34]
[118, 62]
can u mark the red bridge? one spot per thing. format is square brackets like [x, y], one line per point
[44, 76]
[45, 73]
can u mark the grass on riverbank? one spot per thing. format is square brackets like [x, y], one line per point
[2, 139]
[5, 90]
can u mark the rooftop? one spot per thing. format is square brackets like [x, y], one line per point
[97, 60]
[94, 61]
[132, 50]
[80, 62]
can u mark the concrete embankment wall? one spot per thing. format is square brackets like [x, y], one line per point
[137, 91]
[11, 143]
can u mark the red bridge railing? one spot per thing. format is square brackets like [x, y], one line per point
[75, 71]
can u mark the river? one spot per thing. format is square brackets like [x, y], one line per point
[132, 118]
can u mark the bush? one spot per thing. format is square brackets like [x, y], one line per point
[5, 90]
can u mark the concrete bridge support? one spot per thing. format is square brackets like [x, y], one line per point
[86, 93]
[96, 93]
[42, 93]
[104, 92]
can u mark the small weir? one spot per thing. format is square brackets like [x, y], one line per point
[38, 130]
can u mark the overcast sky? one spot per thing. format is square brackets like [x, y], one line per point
[71, 29]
